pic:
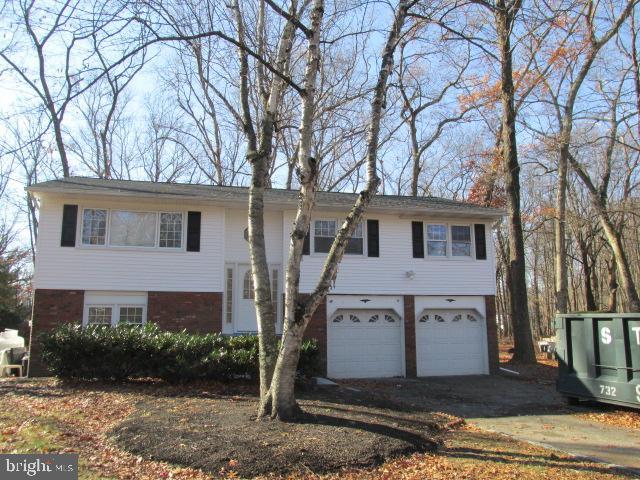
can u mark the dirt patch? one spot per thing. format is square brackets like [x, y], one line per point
[544, 372]
[221, 435]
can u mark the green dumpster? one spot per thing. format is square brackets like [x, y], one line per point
[599, 357]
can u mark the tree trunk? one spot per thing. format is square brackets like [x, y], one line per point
[622, 263]
[522, 337]
[561, 281]
[297, 312]
[415, 156]
[590, 300]
[259, 156]
[613, 286]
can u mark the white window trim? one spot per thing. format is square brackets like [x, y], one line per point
[108, 246]
[449, 256]
[312, 239]
[115, 312]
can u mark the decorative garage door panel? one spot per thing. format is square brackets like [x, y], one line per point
[364, 344]
[450, 342]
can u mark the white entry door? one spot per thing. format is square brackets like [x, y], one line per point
[245, 314]
[364, 344]
[451, 342]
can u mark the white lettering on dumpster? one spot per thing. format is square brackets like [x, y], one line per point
[638, 393]
[637, 330]
[605, 335]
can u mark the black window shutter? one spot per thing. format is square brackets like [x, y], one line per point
[193, 231]
[306, 246]
[481, 241]
[69, 222]
[373, 238]
[417, 235]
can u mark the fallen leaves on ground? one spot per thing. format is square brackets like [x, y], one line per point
[615, 417]
[45, 415]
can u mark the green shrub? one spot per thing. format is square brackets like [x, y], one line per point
[106, 353]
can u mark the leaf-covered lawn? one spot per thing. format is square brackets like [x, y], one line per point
[615, 417]
[45, 416]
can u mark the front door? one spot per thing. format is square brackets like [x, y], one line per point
[245, 315]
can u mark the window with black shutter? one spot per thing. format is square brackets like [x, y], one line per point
[417, 235]
[193, 231]
[481, 241]
[69, 222]
[373, 238]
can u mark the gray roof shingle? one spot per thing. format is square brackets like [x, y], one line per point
[276, 197]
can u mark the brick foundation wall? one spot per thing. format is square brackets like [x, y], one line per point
[52, 308]
[197, 312]
[410, 336]
[492, 334]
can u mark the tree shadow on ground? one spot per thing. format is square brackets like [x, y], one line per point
[510, 456]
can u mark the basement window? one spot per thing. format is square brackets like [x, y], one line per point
[115, 308]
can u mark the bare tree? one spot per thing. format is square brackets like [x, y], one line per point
[428, 97]
[565, 114]
[58, 39]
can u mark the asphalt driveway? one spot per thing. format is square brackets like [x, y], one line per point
[527, 411]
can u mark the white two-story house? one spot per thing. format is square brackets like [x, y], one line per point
[414, 296]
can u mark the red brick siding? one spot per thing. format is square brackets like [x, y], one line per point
[410, 335]
[52, 308]
[492, 334]
[197, 312]
[317, 328]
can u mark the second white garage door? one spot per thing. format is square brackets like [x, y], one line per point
[451, 342]
[364, 344]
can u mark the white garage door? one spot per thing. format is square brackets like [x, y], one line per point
[364, 344]
[450, 342]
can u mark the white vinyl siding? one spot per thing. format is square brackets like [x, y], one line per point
[130, 268]
[237, 247]
[222, 241]
[395, 271]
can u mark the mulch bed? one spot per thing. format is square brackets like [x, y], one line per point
[221, 435]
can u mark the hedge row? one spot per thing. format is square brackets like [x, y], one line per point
[123, 352]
